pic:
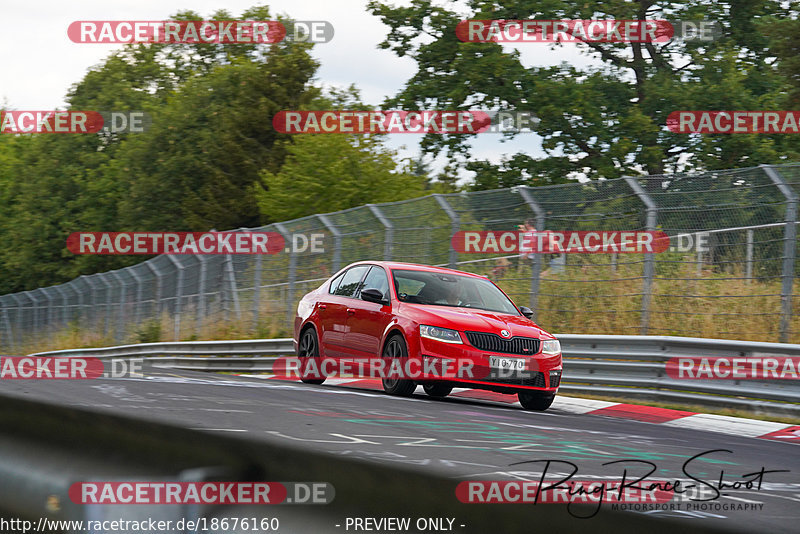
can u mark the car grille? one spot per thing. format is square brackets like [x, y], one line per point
[495, 343]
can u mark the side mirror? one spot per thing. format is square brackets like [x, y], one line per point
[373, 295]
[527, 312]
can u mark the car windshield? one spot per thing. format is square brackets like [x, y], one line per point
[445, 289]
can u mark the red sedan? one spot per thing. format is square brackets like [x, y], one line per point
[414, 324]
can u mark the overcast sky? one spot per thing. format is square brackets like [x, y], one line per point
[39, 63]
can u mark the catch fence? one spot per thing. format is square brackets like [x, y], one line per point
[737, 285]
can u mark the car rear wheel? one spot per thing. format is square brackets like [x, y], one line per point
[396, 348]
[535, 401]
[437, 389]
[309, 348]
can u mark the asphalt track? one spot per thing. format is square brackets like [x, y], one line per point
[459, 438]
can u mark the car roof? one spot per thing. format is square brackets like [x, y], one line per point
[394, 265]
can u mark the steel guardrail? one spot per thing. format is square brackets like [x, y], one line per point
[621, 366]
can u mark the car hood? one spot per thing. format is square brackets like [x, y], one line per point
[472, 319]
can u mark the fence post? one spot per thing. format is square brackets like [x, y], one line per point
[290, 279]
[93, 289]
[34, 309]
[51, 309]
[121, 312]
[749, 259]
[107, 314]
[7, 323]
[19, 318]
[256, 291]
[157, 298]
[64, 314]
[231, 275]
[649, 259]
[201, 293]
[337, 242]
[455, 224]
[388, 240]
[137, 308]
[789, 249]
[178, 297]
[537, 257]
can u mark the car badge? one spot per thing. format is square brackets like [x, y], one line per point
[505, 333]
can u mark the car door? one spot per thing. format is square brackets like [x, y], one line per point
[367, 320]
[332, 309]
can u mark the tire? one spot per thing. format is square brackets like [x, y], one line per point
[396, 348]
[536, 402]
[437, 389]
[308, 347]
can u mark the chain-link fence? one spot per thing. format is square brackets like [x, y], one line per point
[737, 285]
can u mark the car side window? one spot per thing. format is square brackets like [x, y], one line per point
[377, 279]
[335, 283]
[350, 281]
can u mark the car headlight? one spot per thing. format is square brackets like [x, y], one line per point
[439, 334]
[551, 346]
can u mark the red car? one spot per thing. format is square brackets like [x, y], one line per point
[443, 328]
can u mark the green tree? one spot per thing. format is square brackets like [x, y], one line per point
[604, 121]
[325, 173]
[212, 134]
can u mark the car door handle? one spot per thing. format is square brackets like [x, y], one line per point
[323, 306]
[350, 311]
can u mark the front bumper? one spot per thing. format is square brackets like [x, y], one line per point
[542, 372]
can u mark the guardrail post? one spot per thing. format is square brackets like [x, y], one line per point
[537, 257]
[337, 242]
[290, 279]
[649, 259]
[455, 224]
[178, 297]
[388, 240]
[789, 249]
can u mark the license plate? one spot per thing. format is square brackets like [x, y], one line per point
[512, 364]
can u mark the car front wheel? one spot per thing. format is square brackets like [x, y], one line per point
[535, 401]
[396, 348]
[437, 389]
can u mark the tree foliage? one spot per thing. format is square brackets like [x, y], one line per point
[609, 120]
